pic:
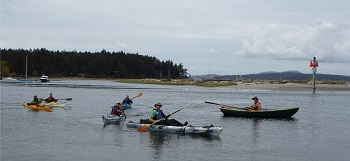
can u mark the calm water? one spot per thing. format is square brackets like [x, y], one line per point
[318, 131]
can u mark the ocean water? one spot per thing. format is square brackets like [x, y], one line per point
[318, 131]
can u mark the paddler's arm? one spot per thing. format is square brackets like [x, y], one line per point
[151, 116]
[151, 120]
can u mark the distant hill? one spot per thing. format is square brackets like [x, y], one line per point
[288, 75]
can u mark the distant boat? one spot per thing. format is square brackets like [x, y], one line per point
[44, 78]
[26, 80]
[9, 79]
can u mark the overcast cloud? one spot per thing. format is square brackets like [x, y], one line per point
[207, 36]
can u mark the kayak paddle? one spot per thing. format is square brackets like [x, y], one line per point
[144, 128]
[138, 95]
[67, 99]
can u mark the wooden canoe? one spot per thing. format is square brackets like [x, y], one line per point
[263, 113]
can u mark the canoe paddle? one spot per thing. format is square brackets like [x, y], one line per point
[144, 128]
[221, 105]
[216, 103]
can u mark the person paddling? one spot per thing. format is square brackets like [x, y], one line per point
[127, 100]
[35, 101]
[50, 98]
[117, 109]
[256, 105]
[157, 114]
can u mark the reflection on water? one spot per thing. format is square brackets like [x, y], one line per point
[111, 124]
[203, 137]
[256, 123]
[157, 140]
[256, 126]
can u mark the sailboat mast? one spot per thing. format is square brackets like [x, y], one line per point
[26, 67]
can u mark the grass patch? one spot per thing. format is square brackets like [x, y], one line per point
[181, 82]
[215, 84]
[155, 81]
[333, 82]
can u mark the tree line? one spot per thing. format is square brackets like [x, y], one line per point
[102, 64]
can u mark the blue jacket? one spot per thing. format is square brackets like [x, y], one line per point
[127, 101]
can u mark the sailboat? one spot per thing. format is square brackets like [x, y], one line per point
[26, 79]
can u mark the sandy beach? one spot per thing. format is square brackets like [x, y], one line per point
[292, 87]
[240, 85]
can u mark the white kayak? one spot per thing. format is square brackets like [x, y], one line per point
[53, 104]
[189, 129]
[112, 119]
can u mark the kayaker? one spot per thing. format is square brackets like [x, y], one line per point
[50, 98]
[256, 105]
[117, 109]
[127, 100]
[157, 114]
[35, 101]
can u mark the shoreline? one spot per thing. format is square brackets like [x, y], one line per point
[293, 87]
[216, 84]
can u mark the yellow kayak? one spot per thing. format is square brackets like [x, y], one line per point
[37, 107]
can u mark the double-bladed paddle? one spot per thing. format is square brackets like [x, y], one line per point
[138, 95]
[67, 99]
[144, 128]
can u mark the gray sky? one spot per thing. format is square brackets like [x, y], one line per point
[226, 37]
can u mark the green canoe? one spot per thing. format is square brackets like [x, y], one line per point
[263, 113]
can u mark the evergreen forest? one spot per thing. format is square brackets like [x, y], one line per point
[102, 64]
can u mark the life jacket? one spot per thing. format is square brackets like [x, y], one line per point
[35, 101]
[51, 99]
[115, 111]
[127, 101]
[159, 114]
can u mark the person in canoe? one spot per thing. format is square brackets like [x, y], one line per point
[157, 114]
[256, 105]
[117, 109]
[50, 98]
[127, 100]
[35, 101]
